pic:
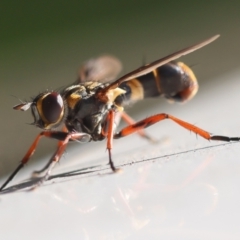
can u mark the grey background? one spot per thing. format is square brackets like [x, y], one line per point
[43, 44]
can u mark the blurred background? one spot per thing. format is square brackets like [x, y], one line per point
[43, 43]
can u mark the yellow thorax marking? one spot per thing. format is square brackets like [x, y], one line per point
[72, 100]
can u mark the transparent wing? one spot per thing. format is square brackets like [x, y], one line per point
[104, 68]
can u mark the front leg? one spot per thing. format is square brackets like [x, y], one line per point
[59, 152]
[63, 138]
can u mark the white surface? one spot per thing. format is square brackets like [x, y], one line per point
[187, 195]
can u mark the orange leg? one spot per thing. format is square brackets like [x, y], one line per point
[38, 172]
[131, 121]
[110, 132]
[63, 138]
[147, 122]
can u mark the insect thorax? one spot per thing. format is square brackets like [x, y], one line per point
[85, 112]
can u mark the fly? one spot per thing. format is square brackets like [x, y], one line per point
[90, 109]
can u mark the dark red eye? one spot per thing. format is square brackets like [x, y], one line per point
[52, 107]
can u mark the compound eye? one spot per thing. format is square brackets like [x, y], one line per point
[52, 107]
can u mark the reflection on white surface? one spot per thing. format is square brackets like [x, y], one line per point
[174, 193]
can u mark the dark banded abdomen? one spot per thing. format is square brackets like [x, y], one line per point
[174, 81]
